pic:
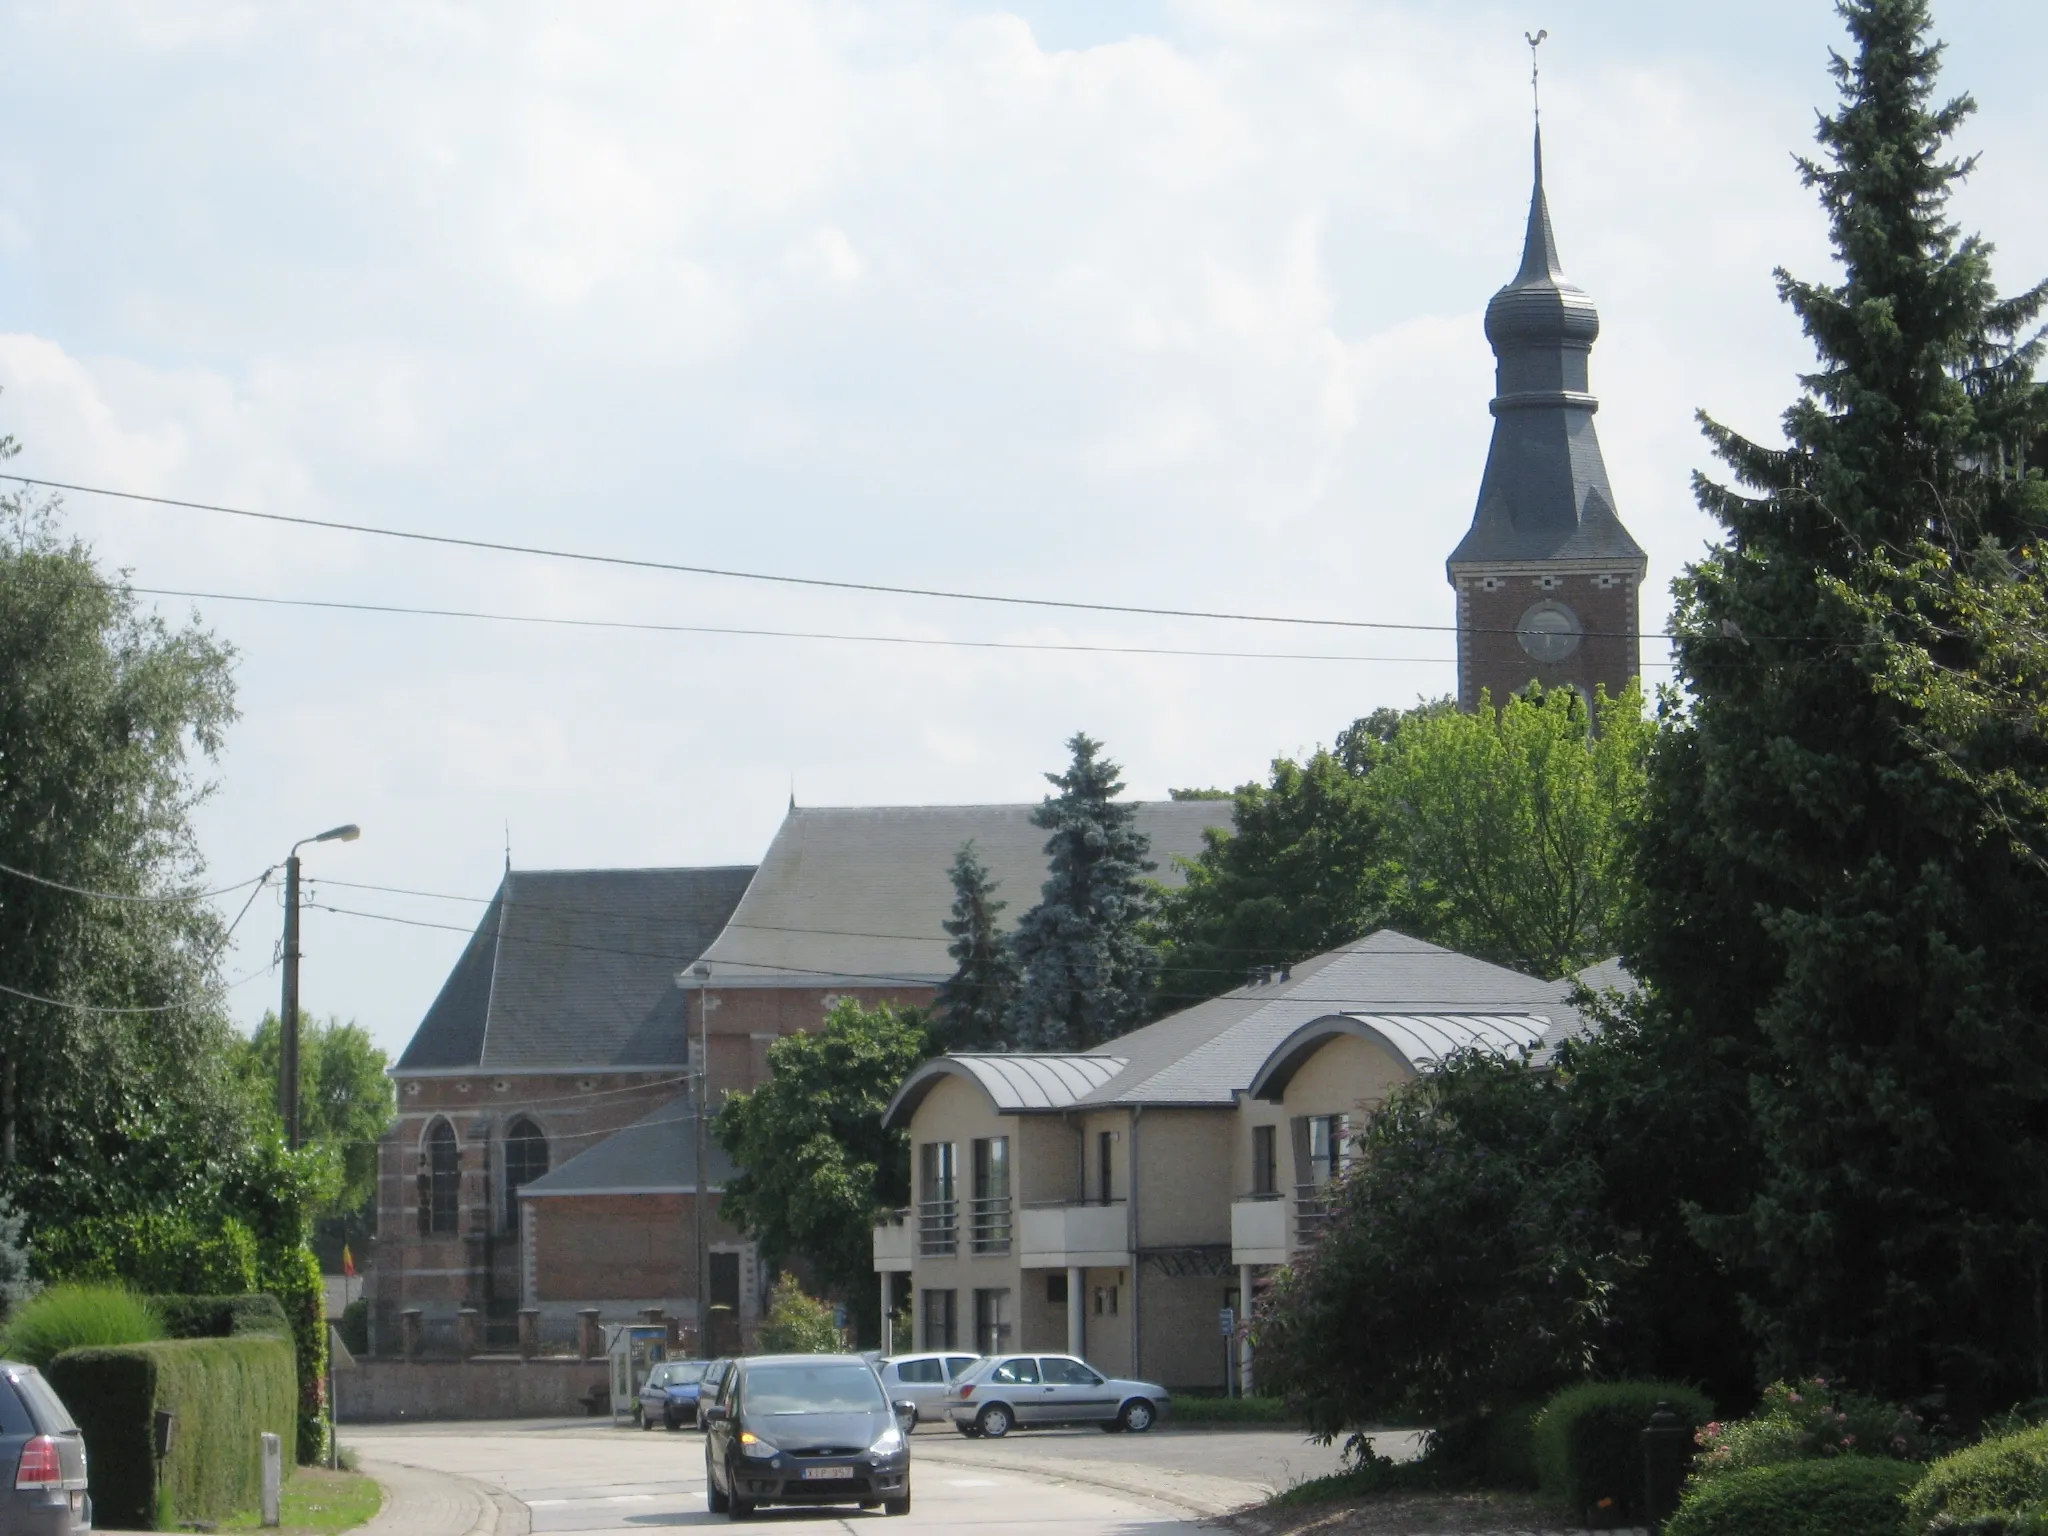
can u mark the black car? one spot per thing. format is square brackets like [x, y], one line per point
[46, 1451]
[804, 1429]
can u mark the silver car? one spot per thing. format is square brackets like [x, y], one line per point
[926, 1380]
[1007, 1392]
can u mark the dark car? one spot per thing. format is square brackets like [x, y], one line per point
[46, 1451]
[669, 1395]
[805, 1429]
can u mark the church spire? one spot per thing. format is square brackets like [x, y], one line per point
[1539, 245]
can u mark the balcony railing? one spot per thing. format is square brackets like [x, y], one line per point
[1062, 1234]
[1311, 1212]
[1258, 1229]
[938, 1228]
[988, 1224]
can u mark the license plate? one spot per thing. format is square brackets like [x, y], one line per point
[77, 1502]
[820, 1474]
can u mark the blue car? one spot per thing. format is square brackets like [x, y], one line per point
[670, 1394]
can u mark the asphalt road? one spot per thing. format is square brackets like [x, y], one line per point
[584, 1476]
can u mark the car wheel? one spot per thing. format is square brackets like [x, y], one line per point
[1137, 1416]
[646, 1419]
[994, 1421]
[714, 1499]
[898, 1506]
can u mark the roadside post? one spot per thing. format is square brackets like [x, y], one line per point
[1667, 1444]
[1226, 1323]
[273, 1480]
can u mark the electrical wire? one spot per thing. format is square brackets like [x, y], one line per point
[734, 574]
[80, 890]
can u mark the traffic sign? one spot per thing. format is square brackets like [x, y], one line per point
[1226, 1321]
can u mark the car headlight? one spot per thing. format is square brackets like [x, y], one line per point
[889, 1444]
[753, 1445]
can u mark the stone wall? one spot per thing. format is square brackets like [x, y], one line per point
[389, 1391]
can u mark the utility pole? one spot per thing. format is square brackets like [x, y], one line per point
[702, 973]
[288, 1017]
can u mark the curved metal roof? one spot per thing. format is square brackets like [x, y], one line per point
[1015, 1083]
[1423, 1040]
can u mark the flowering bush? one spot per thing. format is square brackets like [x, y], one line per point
[1806, 1421]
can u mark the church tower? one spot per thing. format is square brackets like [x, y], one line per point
[1546, 577]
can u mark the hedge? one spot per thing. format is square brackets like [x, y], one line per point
[1992, 1477]
[1588, 1448]
[221, 1317]
[1843, 1496]
[226, 1393]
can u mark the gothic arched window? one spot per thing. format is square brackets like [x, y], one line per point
[441, 1181]
[526, 1159]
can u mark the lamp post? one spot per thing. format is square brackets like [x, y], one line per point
[288, 1017]
[701, 973]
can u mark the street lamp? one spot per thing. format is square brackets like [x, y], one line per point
[288, 1052]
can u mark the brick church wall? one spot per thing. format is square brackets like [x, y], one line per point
[1490, 655]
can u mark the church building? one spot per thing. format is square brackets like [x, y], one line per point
[1547, 577]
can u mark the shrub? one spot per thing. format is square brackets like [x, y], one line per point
[1809, 1420]
[75, 1316]
[797, 1324]
[292, 1275]
[1846, 1496]
[220, 1317]
[354, 1326]
[17, 1284]
[1587, 1444]
[1992, 1477]
[157, 1251]
[226, 1393]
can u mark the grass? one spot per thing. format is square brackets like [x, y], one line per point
[1373, 1475]
[318, 1502]
[1230, 1410]
[78, 1317]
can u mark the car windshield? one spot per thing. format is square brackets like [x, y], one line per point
[839, 1387]
[679, 1373]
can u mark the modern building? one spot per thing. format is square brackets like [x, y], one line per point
[544, 1158]
[1113, 1202]
[1547, 577]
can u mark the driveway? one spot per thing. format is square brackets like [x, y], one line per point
[584, 1476]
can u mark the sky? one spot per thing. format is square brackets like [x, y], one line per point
[1166, 304]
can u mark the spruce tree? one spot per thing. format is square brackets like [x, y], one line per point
[974, 1002]
[1831, 917]
[1087, 970]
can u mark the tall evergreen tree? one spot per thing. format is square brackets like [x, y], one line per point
[975, 1001]
[1087, 970]
[1832, 915]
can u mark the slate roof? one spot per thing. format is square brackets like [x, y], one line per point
[576, 968]
[1545, 493]
[655, 1155]
[855, 895]
[1423, 999]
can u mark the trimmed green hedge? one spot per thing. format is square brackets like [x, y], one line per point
[221, 1317]
[1588, 1447]
[1992, 1477]
[1843, 1496]
[226, 1393]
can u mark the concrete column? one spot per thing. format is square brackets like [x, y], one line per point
[589, 1336]
[1077, 1313]
[468, 1330]
[1244, 1340]
[410, 1329]
[888, 1284]
[529, 1332]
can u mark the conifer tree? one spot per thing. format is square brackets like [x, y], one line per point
[974, 1002]
[1831, 917]
[1087, 970]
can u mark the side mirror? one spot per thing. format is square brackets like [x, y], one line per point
[712, 1413]
[906, 1410]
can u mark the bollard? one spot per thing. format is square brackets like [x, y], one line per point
[273, 1480]
[1667, 1447]
[529, 1332]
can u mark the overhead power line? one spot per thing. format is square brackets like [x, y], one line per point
[731, 573]
[80, 890]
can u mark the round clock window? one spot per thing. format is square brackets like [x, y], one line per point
[1549, 631]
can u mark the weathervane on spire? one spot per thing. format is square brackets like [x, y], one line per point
[1535, 40]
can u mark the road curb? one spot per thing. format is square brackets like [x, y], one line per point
[419, 1501]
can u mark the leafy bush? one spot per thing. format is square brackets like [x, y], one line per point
[1588, 1444]
[797, 1324]
[2031, 1522]
[1367, 1474]
[1809, 1420]
[165, 1252]
[1844, 1496]
[76, 1316]
[220, 1317]
[225, 1393]
[354, 1326]
[292, 1275]
[17, 1283]
[1993, 1477]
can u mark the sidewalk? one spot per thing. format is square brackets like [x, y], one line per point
[418, 1502]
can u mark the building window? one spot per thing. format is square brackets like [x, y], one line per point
[1105, 1154]
[1105, 1300]
[989, 1218]
[938, 1197]
[1265, 1161]
[1319, 1143]
[940, 1324]
[440, 1180]
[991, 1321]
[1055, 1288]
[526, 1159]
